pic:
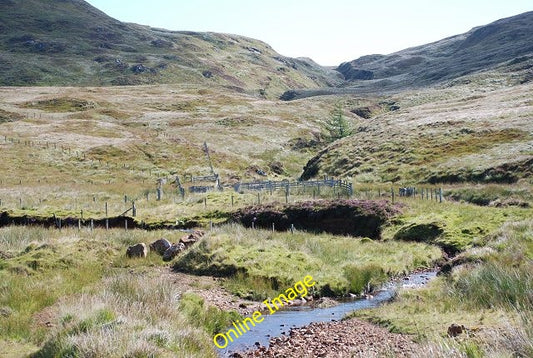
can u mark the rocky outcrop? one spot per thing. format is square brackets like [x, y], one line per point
[164, 248]
[350, 73]
[160, 246]
[169, 251]
[138, 250]
[190, 239]
[173, 251]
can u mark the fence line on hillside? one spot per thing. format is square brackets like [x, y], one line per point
[82, 157]
[126, 217]
[344, 187]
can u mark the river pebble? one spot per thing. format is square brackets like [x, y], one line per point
[350, 338]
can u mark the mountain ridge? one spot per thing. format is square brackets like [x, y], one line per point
[482, 48]
[71, 42]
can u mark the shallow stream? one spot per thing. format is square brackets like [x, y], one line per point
[298, 316]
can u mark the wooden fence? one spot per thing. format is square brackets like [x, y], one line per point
[344, 187]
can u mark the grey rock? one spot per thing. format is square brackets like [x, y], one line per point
[137, 250]
[173, 251]
[160, 246]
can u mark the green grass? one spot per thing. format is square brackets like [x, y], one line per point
[134, 315]
[97, 301]
[41, 266]
[490, 294]
[210, 319]
[496, 285]
[456, 227]
[63, 104]
[259, 262]
[443, 136]
[361, 278]
[492, 195]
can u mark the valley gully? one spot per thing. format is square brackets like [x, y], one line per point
[299, 290]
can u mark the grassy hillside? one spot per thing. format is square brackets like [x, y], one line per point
[62, 146]
[504, 43]
[71, 43]
[70, 148]
[474, 130]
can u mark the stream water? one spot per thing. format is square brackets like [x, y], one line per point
[298, 316]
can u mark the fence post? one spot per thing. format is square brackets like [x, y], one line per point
[133, 209]
[292, 228]
[231, 200]
[440, 195]
[125, 223]
[392, 194]
[258, 199]
[205, 202]
[92, 224]
[106, 218]
[273, 228]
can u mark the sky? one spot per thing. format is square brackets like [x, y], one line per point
[330, 32]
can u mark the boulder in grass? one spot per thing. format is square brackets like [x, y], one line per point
[137, 250]
[191, 238]
[173, 251]
[160, 246]
[454, 330]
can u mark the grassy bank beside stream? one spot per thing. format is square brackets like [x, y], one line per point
[259, 263]
[490, 294]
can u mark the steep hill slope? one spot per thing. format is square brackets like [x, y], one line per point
[480, 49]
[477, 130]
[69, 42]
